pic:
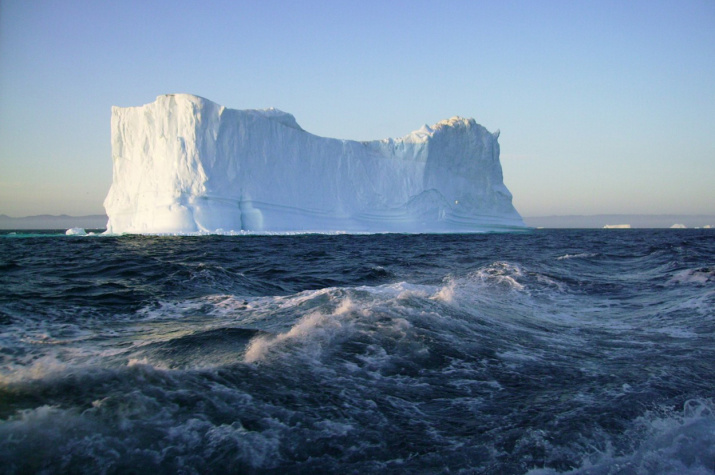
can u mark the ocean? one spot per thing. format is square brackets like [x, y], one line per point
[541, 352]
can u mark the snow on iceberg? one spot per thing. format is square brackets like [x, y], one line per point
[184, 164]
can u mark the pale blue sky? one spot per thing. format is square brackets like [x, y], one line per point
[604, 107]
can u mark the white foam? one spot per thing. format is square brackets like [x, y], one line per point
[42, 367]
[699, 276]
[308, 326]
[671, 442]
[376, 312]
[576, 256]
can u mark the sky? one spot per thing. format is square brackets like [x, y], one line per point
[604, 107]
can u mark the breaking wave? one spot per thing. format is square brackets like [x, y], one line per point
[343, 353]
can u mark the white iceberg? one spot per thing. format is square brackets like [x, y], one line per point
[184, 164]
[76, 232]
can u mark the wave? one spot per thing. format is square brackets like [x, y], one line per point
[344, 361]
[501, 297]
[664, 441]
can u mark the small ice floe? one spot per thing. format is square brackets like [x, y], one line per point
[76, 232]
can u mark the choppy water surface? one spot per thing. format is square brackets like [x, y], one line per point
[544, 352]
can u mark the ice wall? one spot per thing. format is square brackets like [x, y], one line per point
[184, 164]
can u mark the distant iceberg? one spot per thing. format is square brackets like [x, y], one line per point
[76, 232]
[617, 226]
[183, 164]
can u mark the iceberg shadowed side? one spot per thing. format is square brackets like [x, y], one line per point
[184, 164]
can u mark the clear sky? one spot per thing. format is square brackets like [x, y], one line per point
[603, 106]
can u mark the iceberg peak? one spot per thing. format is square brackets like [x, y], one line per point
[281, 117]
[184, 164]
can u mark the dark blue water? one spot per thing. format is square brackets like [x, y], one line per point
[552, 351]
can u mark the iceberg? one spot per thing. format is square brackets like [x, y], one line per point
[184, 164]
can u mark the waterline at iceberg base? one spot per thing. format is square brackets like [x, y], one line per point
[184, 164]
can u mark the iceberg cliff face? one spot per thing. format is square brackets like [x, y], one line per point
[184, 164]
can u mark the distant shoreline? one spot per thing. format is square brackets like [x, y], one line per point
[99, 221]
